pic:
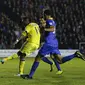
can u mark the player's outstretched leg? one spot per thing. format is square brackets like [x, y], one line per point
[80, 54]
[67, 58]
[77, 54]
[9, 58]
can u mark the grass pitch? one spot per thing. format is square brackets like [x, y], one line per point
[73, 73]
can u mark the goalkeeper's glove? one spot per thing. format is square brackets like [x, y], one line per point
[15, 42]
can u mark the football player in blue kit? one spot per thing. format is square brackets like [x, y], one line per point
[50, 46]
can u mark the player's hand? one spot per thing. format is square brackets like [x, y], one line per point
[43, 22]
[15, 42]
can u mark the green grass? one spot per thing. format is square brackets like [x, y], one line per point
[73, 73]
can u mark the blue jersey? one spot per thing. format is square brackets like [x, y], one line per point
[51, 44]
[50, 37]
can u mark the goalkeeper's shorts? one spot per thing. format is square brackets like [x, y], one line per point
[28, 48]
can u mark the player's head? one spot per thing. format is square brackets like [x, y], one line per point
[47, 13]
[25, 20]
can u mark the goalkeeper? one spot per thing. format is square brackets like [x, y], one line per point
[32, 43]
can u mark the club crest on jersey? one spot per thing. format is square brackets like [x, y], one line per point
[50, 23]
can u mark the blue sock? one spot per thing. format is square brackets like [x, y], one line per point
[34, 67]
[67, 58]
[57, 64]
[47, 60]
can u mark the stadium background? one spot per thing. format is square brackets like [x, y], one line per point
[69, 14]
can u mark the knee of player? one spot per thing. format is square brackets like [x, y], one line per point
[60, 62]
[21, 55]
[38, 57]
[58, 57]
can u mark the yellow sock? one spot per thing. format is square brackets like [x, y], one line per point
[11, 57]
[21, 67]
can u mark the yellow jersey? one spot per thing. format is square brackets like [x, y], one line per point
[32, 32]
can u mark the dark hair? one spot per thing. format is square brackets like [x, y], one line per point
[47, 12]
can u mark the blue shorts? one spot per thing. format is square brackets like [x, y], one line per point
[47, 49]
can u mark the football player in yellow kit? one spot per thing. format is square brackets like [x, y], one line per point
[32, 43]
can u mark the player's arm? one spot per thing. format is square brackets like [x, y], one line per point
[50, 29]
[50, 26]
[24, 34]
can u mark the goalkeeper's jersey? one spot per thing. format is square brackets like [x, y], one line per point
[32, 31]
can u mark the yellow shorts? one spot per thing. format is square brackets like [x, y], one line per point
[28, 48]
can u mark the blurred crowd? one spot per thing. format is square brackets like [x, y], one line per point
[69, 15]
